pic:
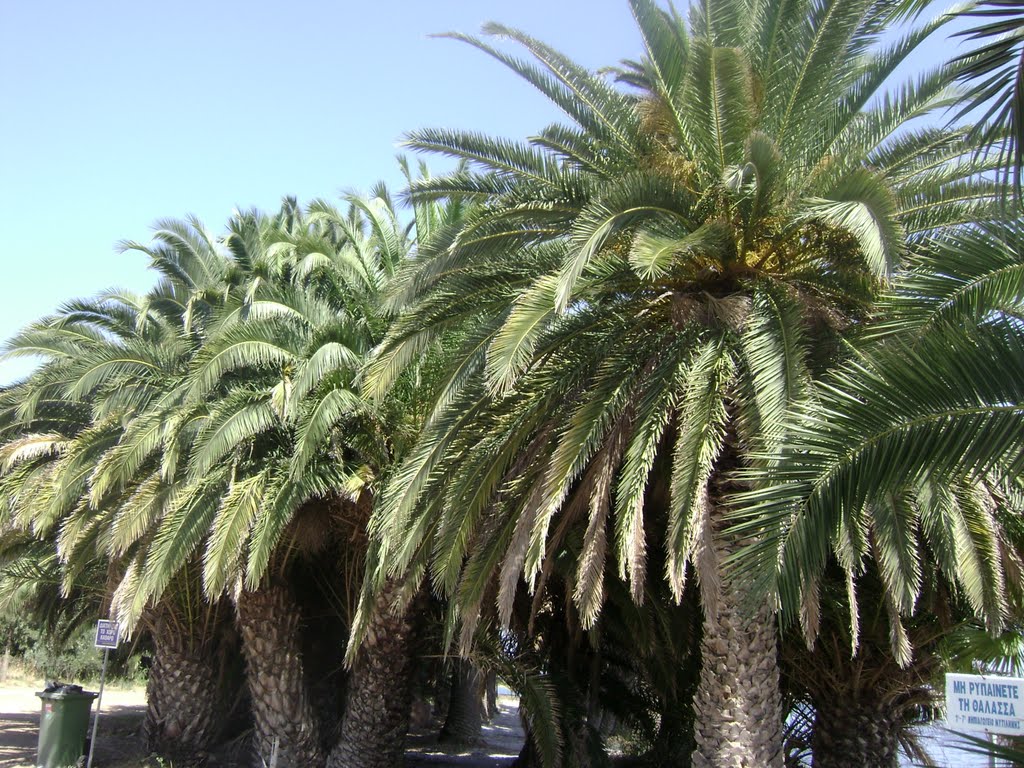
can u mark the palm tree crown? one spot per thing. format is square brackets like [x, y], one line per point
[663, 277]
[642, 297]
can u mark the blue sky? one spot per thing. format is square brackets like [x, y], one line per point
[116, 114]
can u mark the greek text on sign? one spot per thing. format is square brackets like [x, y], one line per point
[108, 634]
[985, 703]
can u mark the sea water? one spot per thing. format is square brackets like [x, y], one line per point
[943, 747]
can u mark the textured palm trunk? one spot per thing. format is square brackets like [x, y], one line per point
[855, 734]
[491, 696]
[376, 717]
[183, 716]
[738, 717]
[284, 720]
[465, 720]
[185, 694]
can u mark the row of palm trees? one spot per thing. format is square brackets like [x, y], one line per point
[729, 363]
[203, 438]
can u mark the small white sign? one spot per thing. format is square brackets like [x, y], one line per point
[108, 634]
[985, 703]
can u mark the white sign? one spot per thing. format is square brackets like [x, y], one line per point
[985, 703]
[108, 634]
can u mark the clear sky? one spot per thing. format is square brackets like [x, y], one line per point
[116, 114]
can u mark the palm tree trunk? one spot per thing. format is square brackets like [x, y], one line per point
[850, 733]
[184, 702]
[491, 696]
[285, 724]
[376, 717]
[465, 720]
[183, 716]
[738, 705]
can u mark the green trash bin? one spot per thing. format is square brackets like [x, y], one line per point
[63, 725]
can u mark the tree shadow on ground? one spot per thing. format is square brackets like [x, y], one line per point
[120, 743]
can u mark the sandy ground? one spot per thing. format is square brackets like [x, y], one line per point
[119, 738]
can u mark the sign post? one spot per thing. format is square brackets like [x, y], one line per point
[108, 635]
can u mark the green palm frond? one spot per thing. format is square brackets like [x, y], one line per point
[512, 347]
[139, 513]
[236, 419]
[281, 500]
[31, 447]
[501, 156]
[995, 72]
[945, 407]
[314, 427]
[862, 205]
[225, 550]
[630, 199]
[774, 362]
[969, 278]
[722, 109]
[701, 439]
[667, 45]
[175, 541]
[591, 102]
[143, 437]
[264, 344]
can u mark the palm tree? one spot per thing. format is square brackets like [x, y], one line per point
[132, 487]
[866, 704]
[282, 461]
[908, 456]
[103, 359]
[655, 286]
[218, 486]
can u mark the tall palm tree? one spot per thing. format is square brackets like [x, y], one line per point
[909, 455]
[868, 704]
[132, 489]
[655, 286]
[200, 427]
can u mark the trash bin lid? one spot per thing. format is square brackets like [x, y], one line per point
[66, 695]
[55, 690]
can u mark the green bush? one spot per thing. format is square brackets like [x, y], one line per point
[67, 658]
[75, 660]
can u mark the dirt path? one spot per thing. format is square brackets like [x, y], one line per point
[119, 741]
[117, 738]
[502, 740]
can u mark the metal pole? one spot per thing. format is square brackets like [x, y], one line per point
[992, 755]
[99, 703]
